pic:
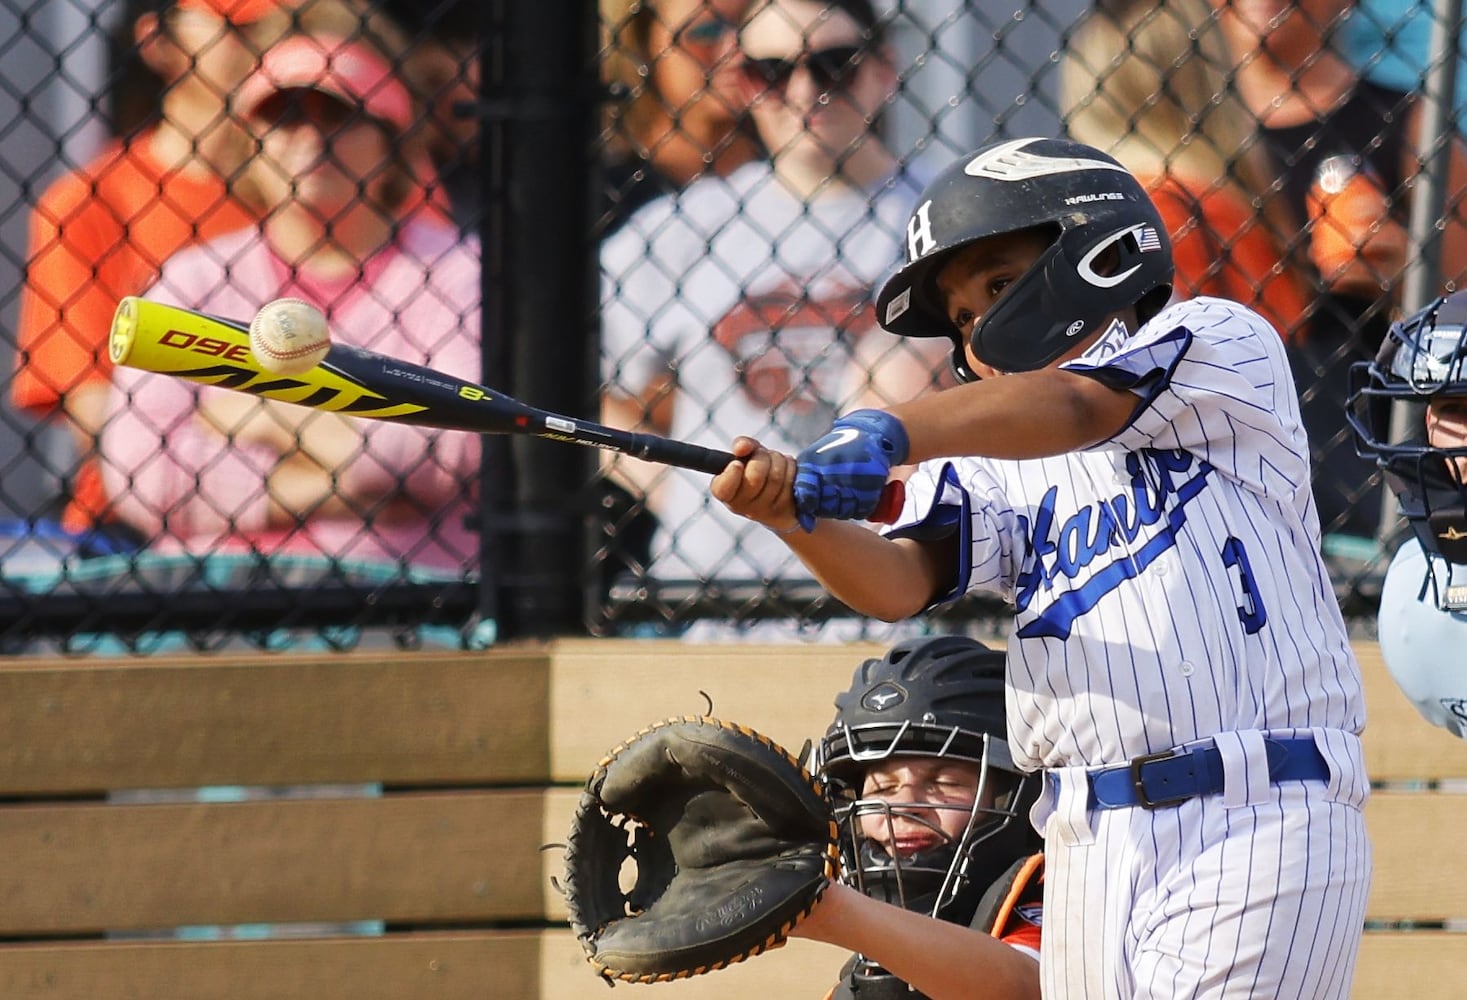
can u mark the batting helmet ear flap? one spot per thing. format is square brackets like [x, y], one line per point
[1089, 273]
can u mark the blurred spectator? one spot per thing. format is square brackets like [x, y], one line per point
[441, 65]
[743, 306]
[210, 470]
[677, 110]
[173, 176]
[1388, 42]
[1345, 161]
[1148, 84]
[103, 230]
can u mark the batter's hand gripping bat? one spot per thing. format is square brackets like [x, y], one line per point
[216, 351]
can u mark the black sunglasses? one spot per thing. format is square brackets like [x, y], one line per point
[828, 68]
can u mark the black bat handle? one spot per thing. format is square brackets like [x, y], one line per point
[666, 451]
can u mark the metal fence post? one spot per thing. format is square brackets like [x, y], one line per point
[538, 294]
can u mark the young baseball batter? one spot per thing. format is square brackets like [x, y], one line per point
[940, 870]
[1423, 603]
[1133, 477]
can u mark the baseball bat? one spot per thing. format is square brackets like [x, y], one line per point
[213, 350]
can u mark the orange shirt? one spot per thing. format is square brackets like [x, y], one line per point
[97, 234]
[1222, 248]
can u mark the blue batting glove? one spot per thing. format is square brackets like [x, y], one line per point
[842, 474]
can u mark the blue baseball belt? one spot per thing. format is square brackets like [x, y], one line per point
[1171, 777]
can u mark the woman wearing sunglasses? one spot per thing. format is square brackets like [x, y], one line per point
[677, 110]
[816, 75]
[745, 302]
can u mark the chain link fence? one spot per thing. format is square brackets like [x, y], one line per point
[748, 172]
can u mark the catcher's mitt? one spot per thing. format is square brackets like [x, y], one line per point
[733, 843]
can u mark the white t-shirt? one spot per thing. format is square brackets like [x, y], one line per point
[759, 305]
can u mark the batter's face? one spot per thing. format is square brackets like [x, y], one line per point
[931, 801]
[1446, 427]
[977, 275]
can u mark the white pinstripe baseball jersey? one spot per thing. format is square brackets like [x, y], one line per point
[1167, 583]
[1168, 590]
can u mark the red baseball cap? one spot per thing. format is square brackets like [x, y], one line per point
[237, 11]
[349, 71]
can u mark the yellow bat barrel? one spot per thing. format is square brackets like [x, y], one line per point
[211, 350]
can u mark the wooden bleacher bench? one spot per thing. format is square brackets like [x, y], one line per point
[479, 756]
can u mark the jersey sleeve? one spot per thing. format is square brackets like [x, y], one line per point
[1211, 379]
[964, 499]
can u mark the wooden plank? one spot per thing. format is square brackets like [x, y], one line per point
[416, 719]
[440, 718]
[513, 965]
[601, 692]
[604, 690]
[1399, 744]
[421, 967]
[800, 969]
[1422, 965]
[530, 965]
[422, 859]
[1415, 835]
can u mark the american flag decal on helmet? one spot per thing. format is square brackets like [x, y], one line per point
[1149, 239]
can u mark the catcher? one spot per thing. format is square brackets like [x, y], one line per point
[1423, 601]
[734, 844]
[934, 819]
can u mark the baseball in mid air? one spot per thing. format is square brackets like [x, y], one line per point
[289, 336]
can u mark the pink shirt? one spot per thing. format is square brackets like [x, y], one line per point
[174, 478]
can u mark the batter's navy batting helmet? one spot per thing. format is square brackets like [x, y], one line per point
[1422, 357]
[937, 697]
[1091, 202]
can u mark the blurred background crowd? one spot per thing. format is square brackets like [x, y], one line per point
[671, 217]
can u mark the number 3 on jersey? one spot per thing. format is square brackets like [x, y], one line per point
[1250, 609]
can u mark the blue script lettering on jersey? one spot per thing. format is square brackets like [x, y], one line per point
[1162, 482]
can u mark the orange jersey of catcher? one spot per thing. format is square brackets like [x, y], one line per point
[97, 234]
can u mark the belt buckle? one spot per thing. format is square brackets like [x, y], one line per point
[1142, 799]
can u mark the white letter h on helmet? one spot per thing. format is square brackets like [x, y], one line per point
[919, 232]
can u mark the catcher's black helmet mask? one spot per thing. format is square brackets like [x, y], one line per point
[940, 697]
[1422, 357]
[1091, 202]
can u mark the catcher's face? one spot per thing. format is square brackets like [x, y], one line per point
[929, 803]
[1446, 427]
